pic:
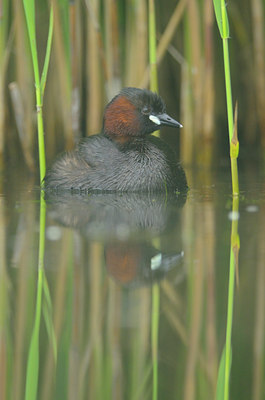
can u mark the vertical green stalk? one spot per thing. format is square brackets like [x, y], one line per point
[224, 369]
[222, 392]
[155, 326]
[228, 89]
[222, 21]
[29, 7]
[33, 357]
[229, 323]
[234, 144]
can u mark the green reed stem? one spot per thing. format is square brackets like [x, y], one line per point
[33, 357]
[155, 326]
[29, 7]
[228, 89]
[222, 21]
[47, 55]
[234, 145]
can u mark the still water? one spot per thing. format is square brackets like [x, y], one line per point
[112, 264]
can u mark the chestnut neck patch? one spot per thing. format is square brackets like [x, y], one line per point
[121, 121]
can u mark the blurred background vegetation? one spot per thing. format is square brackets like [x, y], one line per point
[101, 46]
[98, 47]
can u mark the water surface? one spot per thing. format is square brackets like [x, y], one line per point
[103, 256]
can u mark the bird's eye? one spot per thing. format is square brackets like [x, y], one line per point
[146, 110]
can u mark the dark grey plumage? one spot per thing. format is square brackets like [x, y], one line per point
[127, 160]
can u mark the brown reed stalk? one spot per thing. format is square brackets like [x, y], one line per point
[208, 96]
[258, 28]
[136, 47]
[63, 61]
[111, 40]
[196, 284]
[186, 111]
[166, 37]
[75, 39]
[187, 138]
[95, 315]
[93, 67]
[4, 16]
[18, 107]
[172, 306]
[195, 47]
[209, 232]
[22, 259]
[114, 337]
[79, 350]
[24, 74]
[4, 306]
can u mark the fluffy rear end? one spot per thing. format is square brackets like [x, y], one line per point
[69, 172]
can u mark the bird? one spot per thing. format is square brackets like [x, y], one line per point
[124, 156]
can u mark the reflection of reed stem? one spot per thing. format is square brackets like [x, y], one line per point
[233, 267]
[33, 357]
[155, 326]
[40, 82]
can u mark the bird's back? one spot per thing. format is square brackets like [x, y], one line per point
[99, 164]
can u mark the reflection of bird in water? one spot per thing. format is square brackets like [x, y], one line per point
[125, 223]
[116, 215]
[124, 157]
[136, 264]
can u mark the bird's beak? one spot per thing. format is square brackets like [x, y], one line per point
[165, 119]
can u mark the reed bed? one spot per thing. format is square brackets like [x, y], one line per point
[98, 48]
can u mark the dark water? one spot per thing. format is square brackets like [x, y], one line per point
[104, 255]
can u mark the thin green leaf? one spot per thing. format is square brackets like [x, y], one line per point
[47, 295]
[33, 366]
[47, 312]
[221, 377]
[221, 18]
[47, 54]
[29, 7]
[50, 330]
[33, 358]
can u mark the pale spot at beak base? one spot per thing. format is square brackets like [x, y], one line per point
[155, 119]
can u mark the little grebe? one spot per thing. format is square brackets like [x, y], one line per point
[124, 156]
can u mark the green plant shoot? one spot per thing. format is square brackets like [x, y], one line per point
[223, 25]
[29, 7]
